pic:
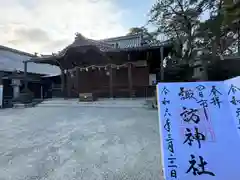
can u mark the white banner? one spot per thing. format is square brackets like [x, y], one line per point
[199, 125]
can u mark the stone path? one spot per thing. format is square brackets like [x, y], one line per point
[61, 143]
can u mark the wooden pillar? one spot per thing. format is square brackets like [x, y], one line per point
[162, 64]
[146, 88]
[130, 84]
[1, 76]
[25, 77]
[69, 83]
[110, 81]
[42, 97]
[63, 82]
[78, 79]
[130, 76]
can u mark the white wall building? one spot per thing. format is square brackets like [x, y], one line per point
[12, 60]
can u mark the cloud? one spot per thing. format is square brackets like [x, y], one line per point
[32, 35]
[49, 25]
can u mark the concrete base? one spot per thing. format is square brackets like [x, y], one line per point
[102, 103]
[27, 105]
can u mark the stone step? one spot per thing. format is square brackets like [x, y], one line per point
[118, 103]
[28, 105]
[19, 106]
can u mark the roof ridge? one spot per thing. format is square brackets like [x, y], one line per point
[122, 37]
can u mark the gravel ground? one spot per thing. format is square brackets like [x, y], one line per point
[88, 143]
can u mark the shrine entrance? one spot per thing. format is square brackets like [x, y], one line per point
[111, 80]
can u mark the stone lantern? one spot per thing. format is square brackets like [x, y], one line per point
[200, 65]
[16, 83]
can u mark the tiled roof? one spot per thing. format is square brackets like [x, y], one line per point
[11, 60]
[143, 47]
[130, 42]
[122, 42]
[133, 36]
[81, 41]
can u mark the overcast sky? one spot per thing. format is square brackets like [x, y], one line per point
[46, 26]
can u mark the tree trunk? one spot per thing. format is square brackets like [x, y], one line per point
[205, 70]
[238, 40]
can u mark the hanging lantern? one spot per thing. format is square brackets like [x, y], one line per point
[87, 69]
[99, 68]
[117, 67]
[93, 67]
[105, 68]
